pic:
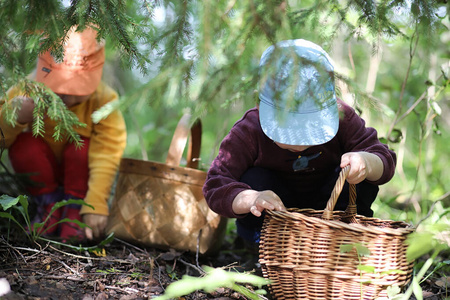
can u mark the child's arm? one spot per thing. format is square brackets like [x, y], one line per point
[251, 201]
[363, 165]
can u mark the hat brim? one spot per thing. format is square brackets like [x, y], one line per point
[294, 128]
[74, 82]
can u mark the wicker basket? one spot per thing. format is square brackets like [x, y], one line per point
[162, 205]
[301, 253]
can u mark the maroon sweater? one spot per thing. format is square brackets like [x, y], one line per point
[247, 146]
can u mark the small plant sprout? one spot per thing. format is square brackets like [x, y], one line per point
[362, 251]
[215, 278]
[34, 231]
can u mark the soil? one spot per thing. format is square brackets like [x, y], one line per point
[118, 270]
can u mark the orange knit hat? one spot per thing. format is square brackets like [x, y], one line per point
[81, 70]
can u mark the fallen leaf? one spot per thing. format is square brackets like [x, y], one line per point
[171, 255]
[101, 253]
[443, 282]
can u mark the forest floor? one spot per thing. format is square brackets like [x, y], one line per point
[119, 270]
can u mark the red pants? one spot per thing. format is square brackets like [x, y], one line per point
[32, 155]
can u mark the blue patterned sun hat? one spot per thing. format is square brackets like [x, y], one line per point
[297, 94]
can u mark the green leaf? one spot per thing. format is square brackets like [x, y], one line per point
[9, 216]
[419, 244]
[214, 279]
[362, 250]
[24, 202]
[7, 201]
[417, 289]
[70, 201]
[67, 220]
[104, 111]
[367, 269]
[100, 246]
[344, 248]
[388, 272]
[108, 239]
[392, 291]
[398, 297]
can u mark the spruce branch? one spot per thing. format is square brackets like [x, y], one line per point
[47, 104]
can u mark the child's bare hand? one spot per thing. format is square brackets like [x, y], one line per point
[97, 224]
[250, 201]
[25, 113]
[363, 165]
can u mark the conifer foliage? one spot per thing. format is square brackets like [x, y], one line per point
[204, 50]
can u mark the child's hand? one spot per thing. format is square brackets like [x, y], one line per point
[25, 113]
[250, 201]
[97, 224]
[363, 165]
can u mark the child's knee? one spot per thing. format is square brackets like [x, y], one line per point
[259, 178]
[27, 146]
[78, 154]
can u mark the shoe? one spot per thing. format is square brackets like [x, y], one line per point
[44, 204]
[49, 228]
[70, 231]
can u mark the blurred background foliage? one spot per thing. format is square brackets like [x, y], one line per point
[169, 57]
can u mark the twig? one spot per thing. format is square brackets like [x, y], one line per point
[126, 290]
[443, 197]
[67, 267]
[28, 249]
[41, 251]
[198, 247]
[131, 245]
[200, 270]
[10, 246]
[90, 258]
[68, 254]
[137, 127]
[40, 247]
[412, 52]
[159, 275]
[68, 277]
[412, 107]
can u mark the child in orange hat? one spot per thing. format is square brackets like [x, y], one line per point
[59, 169]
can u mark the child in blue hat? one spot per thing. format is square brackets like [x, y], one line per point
[289, 150]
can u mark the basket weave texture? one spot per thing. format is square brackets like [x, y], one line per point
[162, 205]
[301, 252]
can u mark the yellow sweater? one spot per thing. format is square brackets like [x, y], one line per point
[106, 146]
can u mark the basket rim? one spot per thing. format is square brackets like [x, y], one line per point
[296, 214]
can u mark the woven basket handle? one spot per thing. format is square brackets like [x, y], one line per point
[350, 212]
[179, 140]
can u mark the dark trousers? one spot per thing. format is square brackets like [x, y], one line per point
[260, 179]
